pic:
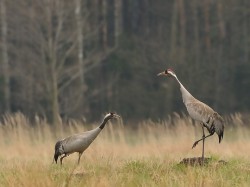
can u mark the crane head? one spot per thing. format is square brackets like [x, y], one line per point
[167, 72]
[58, 150]
[111, 115]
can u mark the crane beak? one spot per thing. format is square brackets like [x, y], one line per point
[116, 116]
[162, 73]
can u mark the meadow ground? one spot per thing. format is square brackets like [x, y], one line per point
[146, 155]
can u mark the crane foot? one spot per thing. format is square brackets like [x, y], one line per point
[195, 143]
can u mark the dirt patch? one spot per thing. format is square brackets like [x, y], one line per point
[80, 174]
[198, 161]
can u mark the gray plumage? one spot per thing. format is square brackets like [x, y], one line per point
[79, 142]
[199, 111]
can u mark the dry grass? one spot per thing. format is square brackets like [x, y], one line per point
[146, 155]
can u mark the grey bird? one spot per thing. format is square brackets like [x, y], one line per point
[79, 142]
[199, 111]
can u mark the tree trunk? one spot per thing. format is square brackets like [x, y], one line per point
[245, 31]
[181, 7]
[80, 39]
[173, 37]
[221, 21]
[221, 68]
[54, 96]
[207, 25]
[196, 35]
[5, 58]
[104, 25]
[52, 66]
[118, 21]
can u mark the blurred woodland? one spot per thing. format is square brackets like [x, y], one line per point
[82, 58]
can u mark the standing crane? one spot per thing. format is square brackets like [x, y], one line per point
[201, 112]
[79, 142]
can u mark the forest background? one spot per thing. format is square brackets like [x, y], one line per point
[83, 58]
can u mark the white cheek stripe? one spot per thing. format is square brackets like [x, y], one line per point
[107, 115]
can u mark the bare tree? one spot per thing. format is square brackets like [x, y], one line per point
[44, 42]
[52, 46]
[55, 49]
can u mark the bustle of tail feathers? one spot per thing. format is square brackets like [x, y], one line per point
[221, 136]
[219, 125]
[57, 150]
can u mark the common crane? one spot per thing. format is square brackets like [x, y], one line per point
[79, 142]
[199, 111]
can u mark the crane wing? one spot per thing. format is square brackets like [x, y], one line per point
[202, 112]
[80, 142]
[199, 110]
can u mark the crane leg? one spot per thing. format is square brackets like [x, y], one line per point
[80, 154]
[203, 144]
[205, 125]
[195, 143]
[211, 132]
[61, 159]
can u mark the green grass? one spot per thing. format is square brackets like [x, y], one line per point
[129, 172]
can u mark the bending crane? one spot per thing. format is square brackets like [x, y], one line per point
[79, 142]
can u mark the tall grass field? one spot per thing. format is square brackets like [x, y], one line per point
[143, 154]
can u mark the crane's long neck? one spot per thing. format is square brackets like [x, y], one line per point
[103, 123]
[186, 96]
